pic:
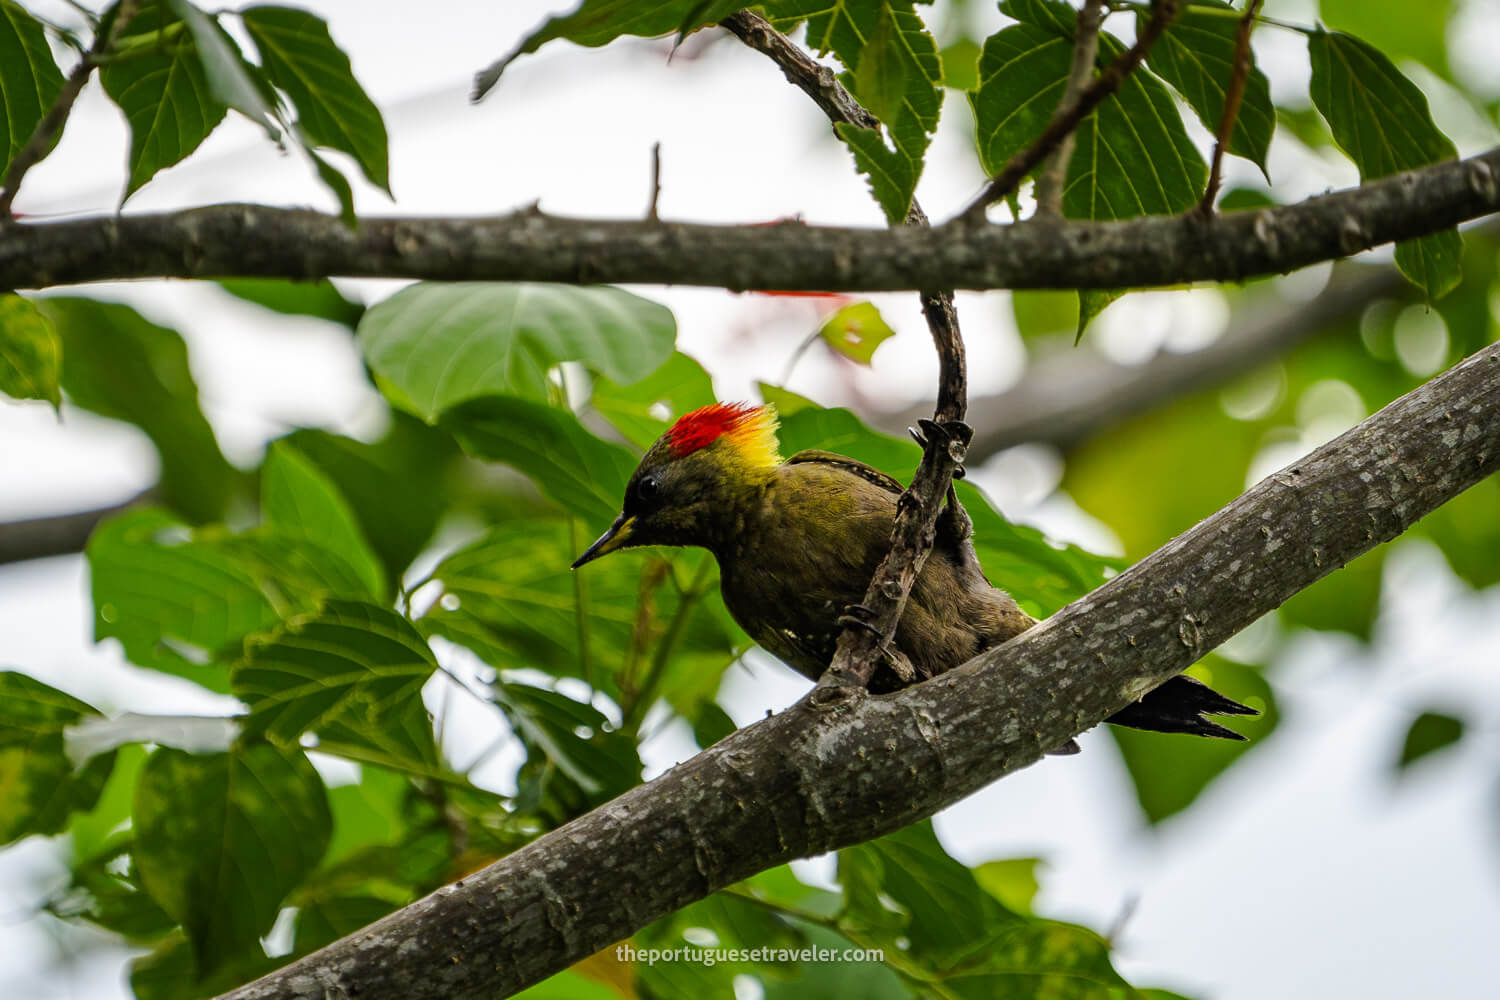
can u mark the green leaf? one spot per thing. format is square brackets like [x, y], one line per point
[574, 760]
[892, 173]
[90, 832]
[30, 352]
[1040, 313]
[299, 500]
[181, 602]
[119, 365]
[905, 887]
[582, 473]
[855, 331]
[231, 80]
[739, 924]
[296, 298]
[323, 918]
[371, 812]
[511, 597]
[1381, 121]
[170, 971]
[905, 73]
[1196, 55]
[786, 401]
[1132, 155]
[644, 409]
[38, 783]
[599, 22]
[393, 486]
[435, 345]
[1092, 302]
[1170, 772]
[334, 180]
[159, 83]
[301, 59]
[171, 604]
[961, 64]
[221, 839]
[880, 76]
[1427, 734]
[1023, 72]
[1013, 881]
[29, 80]
[1397, 28]
[105, 888]
[358, 666]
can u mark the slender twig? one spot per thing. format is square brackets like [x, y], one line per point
[1233, 94]
[1065, 122]
[40, 143]
[651, 215]
[1054, 176]
[860, 645]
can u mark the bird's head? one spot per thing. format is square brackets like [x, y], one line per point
[691, 482]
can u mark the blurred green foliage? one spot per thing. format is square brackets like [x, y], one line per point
[337, 586]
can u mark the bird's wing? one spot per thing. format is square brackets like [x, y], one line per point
[858, 468]
[949, 538]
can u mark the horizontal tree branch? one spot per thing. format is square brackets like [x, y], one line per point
[842, 766]
[260, 241]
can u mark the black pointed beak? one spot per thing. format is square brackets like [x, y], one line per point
[616, 537]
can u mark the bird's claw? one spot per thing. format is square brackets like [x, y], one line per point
[858, 616]
[955, 435]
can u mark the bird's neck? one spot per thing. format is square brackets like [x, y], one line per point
[734, 510]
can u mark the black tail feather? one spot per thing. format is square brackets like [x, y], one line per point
[1179, 706]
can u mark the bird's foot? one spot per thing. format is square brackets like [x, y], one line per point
[900, 664]
[955, 435]
[858, 616]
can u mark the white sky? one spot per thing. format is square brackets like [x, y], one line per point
[1305, 873]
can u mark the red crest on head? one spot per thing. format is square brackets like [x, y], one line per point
[705, 425]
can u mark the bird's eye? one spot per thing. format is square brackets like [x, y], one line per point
[648, 489]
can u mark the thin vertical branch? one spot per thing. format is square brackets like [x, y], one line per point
[1054, 176]
[864, 639]
[1232, 97]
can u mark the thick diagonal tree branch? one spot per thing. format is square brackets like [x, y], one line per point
[260, 241]
[841, 766]
[866, 637]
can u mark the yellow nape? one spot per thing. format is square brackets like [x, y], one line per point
[754, 436]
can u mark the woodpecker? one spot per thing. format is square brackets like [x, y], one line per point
[798, 541]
